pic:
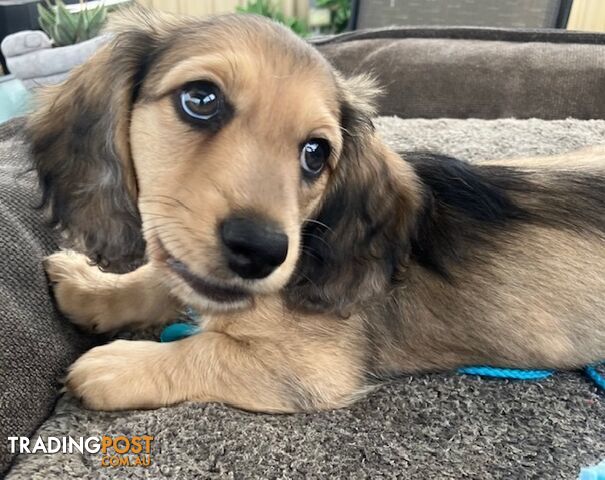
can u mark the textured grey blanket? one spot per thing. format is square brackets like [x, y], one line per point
[431, 426]
[35, 344]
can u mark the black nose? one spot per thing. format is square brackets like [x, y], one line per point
[253, 248]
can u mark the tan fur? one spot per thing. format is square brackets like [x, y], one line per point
[104, 302]
[257, 360]
[506, 314]
[532, 295]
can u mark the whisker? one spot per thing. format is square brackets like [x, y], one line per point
[307, 251]
[311, 220]
[151, 228]
[158, 202]
[309, 280]
[176, 241]
[322, 240]
[187, 189]
[156, 214]
[152, 212]
[176, 200]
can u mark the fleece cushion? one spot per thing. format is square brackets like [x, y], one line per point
[425, 426]
[35, 343]
[460, 72]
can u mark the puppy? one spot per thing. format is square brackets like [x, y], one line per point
[248, 172]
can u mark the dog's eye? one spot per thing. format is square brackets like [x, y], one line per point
[313, 157]
[201, 101]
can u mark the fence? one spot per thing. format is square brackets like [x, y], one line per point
[297, 8]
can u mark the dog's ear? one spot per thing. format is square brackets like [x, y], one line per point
[79, 134]
[356, 243]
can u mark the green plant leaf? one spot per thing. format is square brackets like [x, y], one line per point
[97, 19]
[267, 8]
[46, 19]
[340, 12]
[60, 36]
[260, 7]
[65, 17]
[43, 11]
[66, 28]
[81, 27]
[46, 27]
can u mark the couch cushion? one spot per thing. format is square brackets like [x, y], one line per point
[36, 345]
[478, 72]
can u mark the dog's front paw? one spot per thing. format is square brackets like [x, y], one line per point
[76, 284]
[123, 375]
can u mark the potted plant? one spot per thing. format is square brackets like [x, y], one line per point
[69, 37]
[67, 28]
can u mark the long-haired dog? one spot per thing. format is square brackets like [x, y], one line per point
[249, 174]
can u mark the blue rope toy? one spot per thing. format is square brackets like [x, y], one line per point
[594, 472]
[178, 331]
[519, 374]
[511, 373]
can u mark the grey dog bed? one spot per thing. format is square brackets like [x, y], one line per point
[429, 426]
[35, 344]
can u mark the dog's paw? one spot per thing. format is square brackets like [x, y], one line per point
[121, 375]
[65, 264]
[76, 284]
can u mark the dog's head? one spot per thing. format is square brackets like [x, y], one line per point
[232, 150]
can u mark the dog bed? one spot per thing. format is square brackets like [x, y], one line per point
[429, 426]
[35, 343]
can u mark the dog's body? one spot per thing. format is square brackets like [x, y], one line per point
[317, 273]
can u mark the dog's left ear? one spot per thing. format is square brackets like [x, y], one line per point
[355, 244]
[79, 137]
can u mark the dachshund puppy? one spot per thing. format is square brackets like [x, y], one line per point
[248, 173]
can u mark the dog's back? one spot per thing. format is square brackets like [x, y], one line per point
[507, 266]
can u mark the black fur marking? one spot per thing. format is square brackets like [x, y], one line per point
[79, 169]
[478, 192]
[352, 247]
[461, 202]
[330, 242]
[466, 205]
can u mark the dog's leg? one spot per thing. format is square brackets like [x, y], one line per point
[264, 359]
[102, 301]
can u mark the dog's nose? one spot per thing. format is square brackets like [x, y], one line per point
[253, 248]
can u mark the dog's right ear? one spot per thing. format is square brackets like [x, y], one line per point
[79, 134]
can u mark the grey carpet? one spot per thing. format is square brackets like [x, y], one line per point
[423, 427]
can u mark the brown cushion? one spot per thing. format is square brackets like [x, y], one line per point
[478, 72]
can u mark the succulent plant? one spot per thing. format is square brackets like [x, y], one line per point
[67, 28]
